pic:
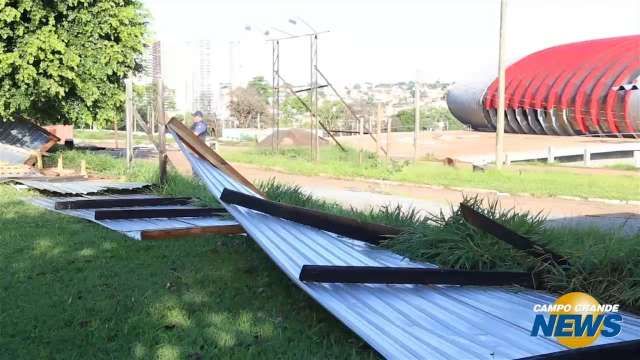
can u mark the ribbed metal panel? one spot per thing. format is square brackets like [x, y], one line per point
[133, 227]
[399, 321]
[24, 134]
[80, 187]
[13, 155]
[570, 89]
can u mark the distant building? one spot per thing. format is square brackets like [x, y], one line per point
[201, 78]
[156, 60]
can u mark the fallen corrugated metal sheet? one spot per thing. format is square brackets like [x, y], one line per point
[80, 187]
[399, 321]
[14, 155]
[26, 135]
[133, 227]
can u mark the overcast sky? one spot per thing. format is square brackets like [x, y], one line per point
[379, 40]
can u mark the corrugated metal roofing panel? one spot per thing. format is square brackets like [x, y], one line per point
[13, 155]
[24, 134]
[133, 227]
[399, 321]
[80, 187]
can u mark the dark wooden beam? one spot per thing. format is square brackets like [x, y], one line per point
[120, 202]
[402, 275]
[204, 230]
[509, 236]
[199, 147]
[155, 213]
[619, 350]
[371, 233]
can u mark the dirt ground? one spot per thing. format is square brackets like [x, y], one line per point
[464, 144]
[365, 194]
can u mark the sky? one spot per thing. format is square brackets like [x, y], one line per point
[376, 40]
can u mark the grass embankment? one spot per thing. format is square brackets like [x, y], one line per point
[108, 135]
[72, 289]
[550, 182]
[604, 263]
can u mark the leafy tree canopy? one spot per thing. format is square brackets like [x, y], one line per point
[262, 87]
[247, 106]
[429, 117]
[66, 60]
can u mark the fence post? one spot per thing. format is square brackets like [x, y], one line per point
[550, 157]
[587, 158]
[389, 120]
[361, 129]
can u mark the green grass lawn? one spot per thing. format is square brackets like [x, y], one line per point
[72, 289]
[108, 135]
[538, 183]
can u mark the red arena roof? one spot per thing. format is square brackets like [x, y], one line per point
[583, 88]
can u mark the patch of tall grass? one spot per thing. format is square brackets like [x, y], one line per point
[603, 263]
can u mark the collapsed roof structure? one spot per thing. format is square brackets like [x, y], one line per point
[20, 138]
[403, 319]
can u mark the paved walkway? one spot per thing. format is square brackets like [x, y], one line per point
[364, 194]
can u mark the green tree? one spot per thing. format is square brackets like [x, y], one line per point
[66, 60]
[429, 118]
[247, 106]
[331, 113]
[262, 87]
[291, 108]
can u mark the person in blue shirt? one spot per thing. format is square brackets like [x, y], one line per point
[199, 126]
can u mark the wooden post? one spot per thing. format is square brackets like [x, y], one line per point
[60, 165]
[416, 128]
[361, 129]
[379, 116]
[83, 167]
[152, 120]
[550, 156]
[39, 160]
[501, 88]
[375, 140]
[115, 132]
[389, 121]
[162, 153]
[128, 107]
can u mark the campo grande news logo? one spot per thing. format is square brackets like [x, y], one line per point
[576, 319]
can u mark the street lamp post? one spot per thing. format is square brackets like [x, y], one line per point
[313, 88]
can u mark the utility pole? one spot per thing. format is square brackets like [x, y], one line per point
[162, 151]
[312, 115]
[274, 135]
[128, 109]
[501, 86]
[276, 70]
[315, 94]
[416, 128]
